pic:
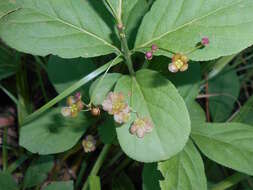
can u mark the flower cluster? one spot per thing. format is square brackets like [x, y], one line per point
[89, 144]
[74, 106]
[149, 54]
[179, 63]
[141, 126]
[115, 105]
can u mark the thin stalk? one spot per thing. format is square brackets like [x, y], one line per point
[81, 173]
[119, 168]
[127, 56]
[123, 164]
[40, 62]
[230, 181]
[125, 49]
[4, 149]
[11, 96]
[113, 160]
[41, 83]
[97, 164]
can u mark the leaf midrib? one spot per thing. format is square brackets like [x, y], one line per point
[186, 24]
[134, 80]
[82, 30]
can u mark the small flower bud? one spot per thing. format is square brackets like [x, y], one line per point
[95, 111]
[89, 144]
[154, 47]
[149, 55]
[120, 26]
[78, 96]
[205, 41]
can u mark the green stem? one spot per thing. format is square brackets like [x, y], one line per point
[10, 95]
[126, 51]
[4, 149]
[123, 164]
[41, 83]
[230, 181]
[40, 62]
[80, 175]
[98, 164]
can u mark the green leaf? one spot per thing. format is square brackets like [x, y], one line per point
[184, 171]
[107, 131]
[101, 87]
[245, 113]
[94, 182]
[197, 114]
[7, 63]
[229, 144]
[61, 185]
[62, 28]
[38, 171]
[180, 25]
[151, 177]
[7, 6]
[65, 72]
[227, 92]
[52, 133]
[7, 182]
[122, 182]
[153, 96]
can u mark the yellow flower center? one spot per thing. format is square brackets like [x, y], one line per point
[89, 144]
[74, 108]
[140, 123]
[118, 107]
[179, 63]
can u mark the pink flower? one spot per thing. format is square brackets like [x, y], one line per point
[115, 105]
[205, 41]
[123, 116]
[74, 106]
[179, 63]
[89, 144]
[149, 55]
[141, 126]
